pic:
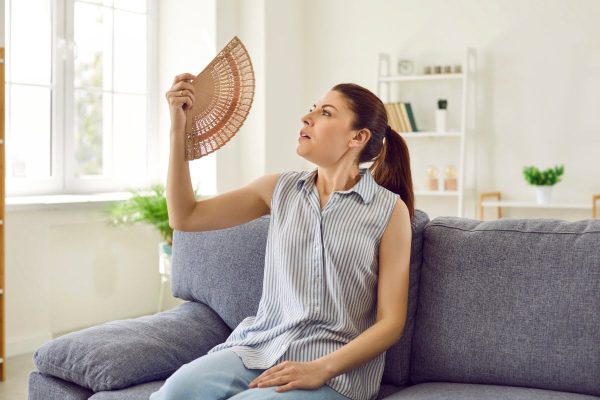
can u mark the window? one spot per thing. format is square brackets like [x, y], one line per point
[81, 92]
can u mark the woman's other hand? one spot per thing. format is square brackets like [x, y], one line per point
[290, 375]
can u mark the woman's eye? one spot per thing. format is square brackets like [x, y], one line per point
[324, 112]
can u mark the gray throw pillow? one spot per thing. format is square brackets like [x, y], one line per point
[122, 353]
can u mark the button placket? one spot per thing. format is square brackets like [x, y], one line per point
[318, 267]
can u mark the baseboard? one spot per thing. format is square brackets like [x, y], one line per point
[26, 345]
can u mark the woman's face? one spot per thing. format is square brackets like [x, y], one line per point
[329, 135]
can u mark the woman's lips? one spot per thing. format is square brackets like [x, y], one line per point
[303, 135]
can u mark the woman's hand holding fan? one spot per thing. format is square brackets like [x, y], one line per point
[181, 97]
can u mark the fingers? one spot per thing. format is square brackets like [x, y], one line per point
[182, 87]
[273, 376]
[181, 101]
[182, 93]
[183, 76]
[281, 378]
[270, 371]
[286, 387]
[185, 93]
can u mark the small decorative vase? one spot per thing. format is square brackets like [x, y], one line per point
[544, 194]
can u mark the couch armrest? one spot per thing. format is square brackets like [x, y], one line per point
[122, 353]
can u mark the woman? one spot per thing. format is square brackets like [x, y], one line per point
[335, 288]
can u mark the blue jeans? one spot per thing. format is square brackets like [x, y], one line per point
[222, 375]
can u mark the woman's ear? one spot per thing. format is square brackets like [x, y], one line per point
[360, 138]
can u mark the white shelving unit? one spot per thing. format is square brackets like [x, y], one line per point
[385, 80]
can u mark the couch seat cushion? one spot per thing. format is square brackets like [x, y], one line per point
[137, 392]
[465, 391]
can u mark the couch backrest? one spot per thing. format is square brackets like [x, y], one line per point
[224, 269]
[510, 302]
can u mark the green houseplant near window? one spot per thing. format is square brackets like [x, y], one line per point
[543, 180]
[144, 206]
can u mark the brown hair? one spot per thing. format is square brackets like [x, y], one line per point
[388, 150]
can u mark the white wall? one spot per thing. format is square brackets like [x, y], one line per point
[186, 43]
[285, 96]
[539, 87]
[65, 269]
[272, 33]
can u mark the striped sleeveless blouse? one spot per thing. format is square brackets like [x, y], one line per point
[320, 279]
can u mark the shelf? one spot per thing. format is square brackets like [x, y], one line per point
[529, 204]
[389, 93]
[423, 77]
[436, 193]
[430, 134]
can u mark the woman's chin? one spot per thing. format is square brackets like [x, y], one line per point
[302, 153]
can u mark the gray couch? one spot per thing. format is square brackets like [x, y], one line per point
[507, 309]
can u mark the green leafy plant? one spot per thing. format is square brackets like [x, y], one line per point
[549, 176]
[150, 208]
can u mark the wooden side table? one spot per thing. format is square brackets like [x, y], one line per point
[483, 196]
[497, 202]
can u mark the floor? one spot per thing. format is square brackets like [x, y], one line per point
[17, 371]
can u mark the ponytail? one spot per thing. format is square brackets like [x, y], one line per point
[391, 168]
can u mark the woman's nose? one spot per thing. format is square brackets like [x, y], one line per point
[306, 119]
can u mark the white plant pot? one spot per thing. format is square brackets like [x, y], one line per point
[164, 258]
[164, 268]
[544, 194]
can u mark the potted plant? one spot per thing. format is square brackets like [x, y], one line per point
[143, 206]
[543, 181]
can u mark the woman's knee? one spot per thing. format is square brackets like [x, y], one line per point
[211, 376]
[182, 384]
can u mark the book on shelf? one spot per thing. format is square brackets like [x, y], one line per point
[401, 117]
[411, 117]
[394, 119]
[404, 116]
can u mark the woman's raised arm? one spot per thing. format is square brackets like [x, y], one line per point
[223, 211]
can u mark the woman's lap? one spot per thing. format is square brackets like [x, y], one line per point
[222, 375]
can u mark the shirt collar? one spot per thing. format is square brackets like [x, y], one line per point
[365, 187]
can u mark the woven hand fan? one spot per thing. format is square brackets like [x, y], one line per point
[224, 91]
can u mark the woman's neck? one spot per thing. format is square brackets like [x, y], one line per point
[335, 179]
